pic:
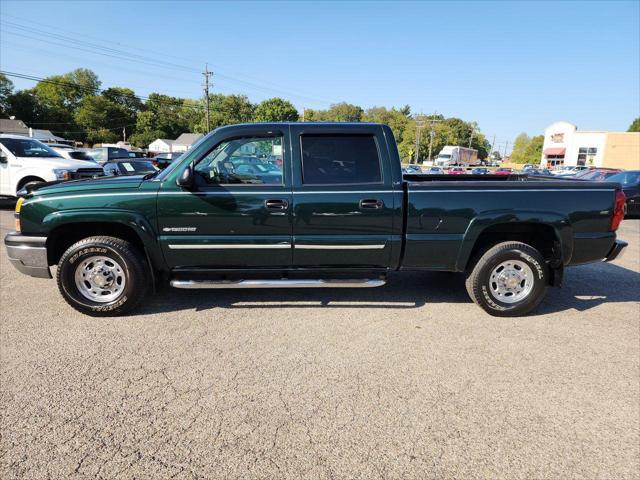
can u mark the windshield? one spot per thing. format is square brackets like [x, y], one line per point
[28, 147]
[137, 167]
[444, 155]
[625, 178]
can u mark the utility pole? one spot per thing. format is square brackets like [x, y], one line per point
[493, 142]
[506, 145]
[419, 124]
[124, 134]
[206, 74]
[432, 132]
[473, 129]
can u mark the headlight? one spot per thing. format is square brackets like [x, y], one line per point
[62, 174]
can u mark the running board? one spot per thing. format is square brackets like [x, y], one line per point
[285, 283]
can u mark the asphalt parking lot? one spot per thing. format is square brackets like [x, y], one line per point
[411, 380]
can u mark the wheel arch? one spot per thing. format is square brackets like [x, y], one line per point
[69, 226]
[26, 179]
[549, 233]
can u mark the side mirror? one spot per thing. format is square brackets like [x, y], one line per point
[185, 180]
[3, 158]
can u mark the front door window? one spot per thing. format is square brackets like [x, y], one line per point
[252, 161]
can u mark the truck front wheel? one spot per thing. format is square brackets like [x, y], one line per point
[102, 276]
[508, 280]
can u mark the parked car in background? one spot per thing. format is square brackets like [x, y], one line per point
[27, 161]
[260, 173]
[480, 171]
[597, 174]
[104, 154]
[457, 171]
[630, 183]
[130, 166]
[569, 171]
[163, 160]
[434, 171]
[67, 151]
[503, 171]
[538, 172]
[412, 169]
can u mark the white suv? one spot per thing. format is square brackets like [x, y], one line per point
[25, 160]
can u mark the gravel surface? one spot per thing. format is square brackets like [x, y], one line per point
[410, 380]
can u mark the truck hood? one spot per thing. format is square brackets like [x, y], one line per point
[59, 162]
[86, 185]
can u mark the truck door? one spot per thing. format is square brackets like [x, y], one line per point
[238, 215]
[343, 210]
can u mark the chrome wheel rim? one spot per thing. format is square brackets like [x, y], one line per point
[511, 281]
[100, 279]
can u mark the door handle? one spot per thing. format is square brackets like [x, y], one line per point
[371, 204]
[276, 204]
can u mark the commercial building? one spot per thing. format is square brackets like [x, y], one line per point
[564, 144]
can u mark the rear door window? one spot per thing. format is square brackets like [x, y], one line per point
[340, 160]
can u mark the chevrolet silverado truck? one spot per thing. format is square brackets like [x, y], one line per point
[308, 205]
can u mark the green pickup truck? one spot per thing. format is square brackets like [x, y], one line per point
[308, 205]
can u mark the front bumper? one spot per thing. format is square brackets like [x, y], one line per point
[28, 254]
[616, 251]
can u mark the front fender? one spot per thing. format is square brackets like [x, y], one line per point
[46, 175]
[559, 223]
[132, 219]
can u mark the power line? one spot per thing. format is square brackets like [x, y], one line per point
[96, 91]
[98, 49]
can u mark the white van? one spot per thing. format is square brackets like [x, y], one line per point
[25, 160]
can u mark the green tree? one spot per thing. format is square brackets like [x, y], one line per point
[163, 117]
[520, 145]
[101, 118]
[146, 130]
[126, 98]
[533, 152]
[635, 126]
[230, 109]
[338, 112]
[6, 90]
[68, 90]
[276, 110]
[344, 112]
[397, 119]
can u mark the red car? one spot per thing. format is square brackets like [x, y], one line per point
[457, 171]
[503, 171]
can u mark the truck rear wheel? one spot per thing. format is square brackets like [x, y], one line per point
[102, 276]
[508, 280]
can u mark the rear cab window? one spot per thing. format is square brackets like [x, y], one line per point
[340, 159]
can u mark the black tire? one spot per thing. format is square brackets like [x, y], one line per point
[482, 289]
[134, 270]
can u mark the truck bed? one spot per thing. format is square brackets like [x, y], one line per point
[444, 217]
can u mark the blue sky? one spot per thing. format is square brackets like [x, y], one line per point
[510, 66]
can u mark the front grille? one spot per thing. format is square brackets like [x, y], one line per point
[87, 173]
